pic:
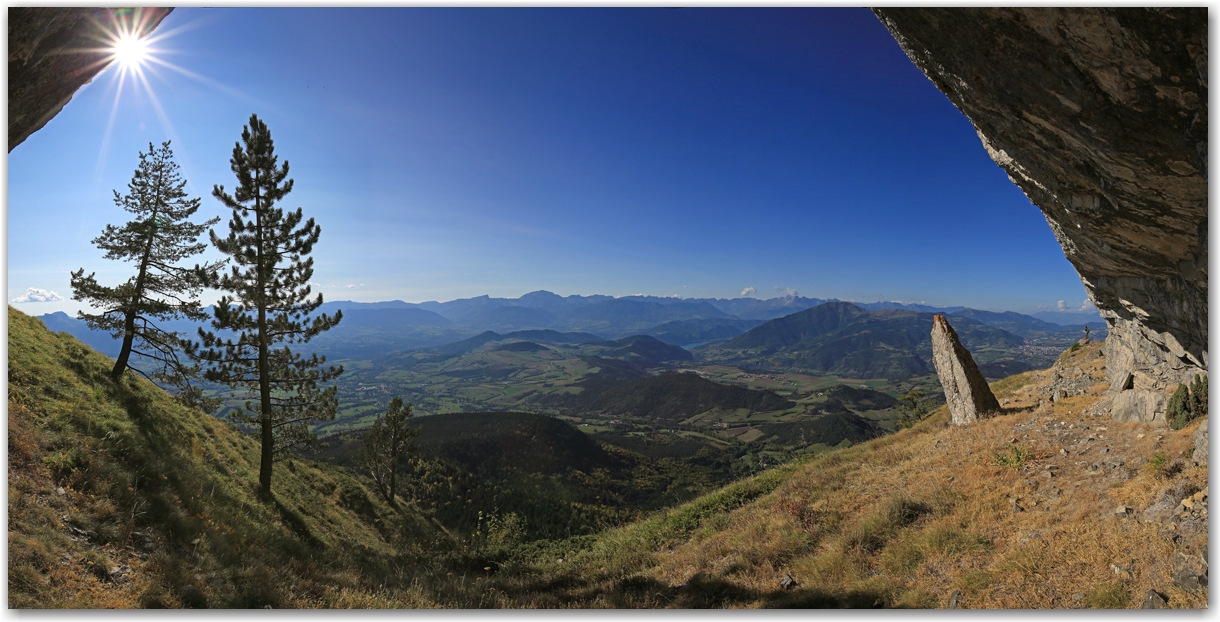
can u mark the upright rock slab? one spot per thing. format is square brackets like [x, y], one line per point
[966, 391]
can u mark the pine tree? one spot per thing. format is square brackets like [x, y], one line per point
[911, 408]
[268, 304]
[386, 446]
[161, 290]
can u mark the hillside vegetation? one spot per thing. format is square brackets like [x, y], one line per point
[119, 497]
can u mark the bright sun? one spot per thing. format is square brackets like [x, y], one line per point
[130, 51]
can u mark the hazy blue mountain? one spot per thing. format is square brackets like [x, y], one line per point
[466, 345]
[388, 318]
[685, 332]
[1065, 318]
[520, 346]
[842, 339]
[510, 317]
[626, 316]
[644, 350]
[554, 336]
[61, 322]
[763, 309]
[877, 306]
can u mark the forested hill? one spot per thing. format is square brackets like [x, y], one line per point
[669, 397]
[839, 338]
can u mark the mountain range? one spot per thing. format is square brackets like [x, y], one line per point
[843, 339]
[373, 329]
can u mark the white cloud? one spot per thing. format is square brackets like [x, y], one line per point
[786, 291]
[38, 295]
[350, 286]
[749, 291]
[1062, 306]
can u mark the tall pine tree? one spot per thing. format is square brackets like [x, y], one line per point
[160, 236]
[267, 306]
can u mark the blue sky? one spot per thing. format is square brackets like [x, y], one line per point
[450, 153]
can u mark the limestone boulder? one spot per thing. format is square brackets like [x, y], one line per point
[966, 390]
[1200, 454]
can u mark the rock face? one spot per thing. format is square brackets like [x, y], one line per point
[1100, 116]
[52, 52]
[1199, 457]
[966, 390]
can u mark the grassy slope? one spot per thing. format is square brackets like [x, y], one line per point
[119, 497]
[903, 521]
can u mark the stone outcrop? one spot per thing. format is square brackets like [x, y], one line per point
[52, 52]
[1100, 116]
[966, 390]
[1199, 456]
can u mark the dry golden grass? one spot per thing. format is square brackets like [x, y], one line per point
[904, 520]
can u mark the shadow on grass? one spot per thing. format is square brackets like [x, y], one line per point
[701, 591]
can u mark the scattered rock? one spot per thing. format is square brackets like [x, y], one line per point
[966, 391]
[955, 599]
[787, 582]
[1199, 457]
[1122, 511]
[1154, 600]
[1189, 571]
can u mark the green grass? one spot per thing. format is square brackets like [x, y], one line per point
[136, 466]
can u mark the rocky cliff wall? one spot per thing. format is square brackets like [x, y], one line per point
[52, 52]
[1100, 117]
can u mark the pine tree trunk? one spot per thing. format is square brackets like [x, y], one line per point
[129, 325]
[264, 364]
[120, 365]
[393, 474]
[264, 389]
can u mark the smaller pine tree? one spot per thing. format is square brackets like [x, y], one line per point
[911, 408]
[1187, 403]
[1179, 410]
[157, 240]
[1198, 396]
[387, 445]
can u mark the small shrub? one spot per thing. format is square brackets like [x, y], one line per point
[97, 564]
[808, 518]
[904, 556]
[1107, 596]
[1158, 461]
[870, 535]
[1014, 459]
[974, 582]
[912, 408]
[1187, 403]
[63, 464]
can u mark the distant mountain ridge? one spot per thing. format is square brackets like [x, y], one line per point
[369, 330]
